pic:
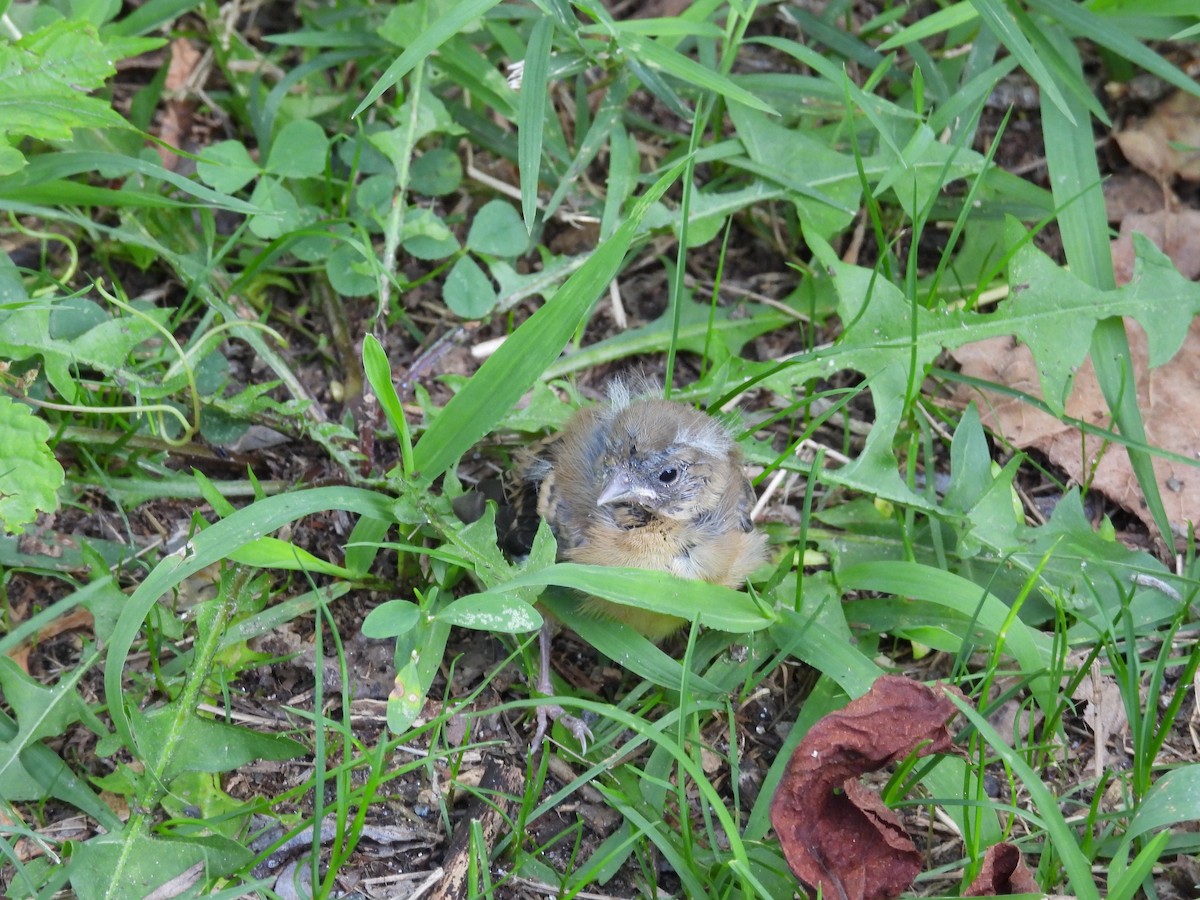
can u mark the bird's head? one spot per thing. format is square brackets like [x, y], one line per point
[665, 458]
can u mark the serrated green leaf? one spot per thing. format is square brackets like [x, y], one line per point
[479, 540]
[219, 428]
[1052, 312]
[25, 333]
[922, 169]
[51, 115]
[46, 77]
[544, 551]
[205, 745]
[67, 54]
[30, 476]
[41, 712]
[49, 773]
[75, 316]
[149, 862]
[823, 184]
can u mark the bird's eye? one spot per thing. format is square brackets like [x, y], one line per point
[666, 476]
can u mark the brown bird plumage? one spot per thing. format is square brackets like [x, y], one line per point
[641, 483]
[651, 484]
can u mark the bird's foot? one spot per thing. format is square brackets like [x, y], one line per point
[552, 712]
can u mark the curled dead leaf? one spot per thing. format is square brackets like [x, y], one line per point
[1004, 872]
[836, 834]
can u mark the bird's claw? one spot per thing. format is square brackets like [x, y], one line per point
[552, 712]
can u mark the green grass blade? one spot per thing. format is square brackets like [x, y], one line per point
[954, 16]
[1129, 883]
[379, 375]
[150, 16]
[1001, 21]
[58, 166]
[531, 116]
[990, 614]
[459, 16]
[521, 360]
[210, 546]
[627, 647]
[655, 55]
[1065, 841]
[1075, 177]
[1085, 23]
[711, 605]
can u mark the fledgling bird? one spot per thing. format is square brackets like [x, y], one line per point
[651, 484]
[647, 483]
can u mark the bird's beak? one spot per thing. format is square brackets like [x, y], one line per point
[621, 488]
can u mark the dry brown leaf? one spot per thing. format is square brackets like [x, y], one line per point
[836, 834]
[1194, 718]
[175, 124]
[1169, 398]
[78, 618]
[1013, 720]
[652, 9]
[1004, 872]
[1168, 143]
[185, 58]
[1134, 193]
[1105, 713]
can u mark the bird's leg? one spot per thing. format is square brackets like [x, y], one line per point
[552, 712]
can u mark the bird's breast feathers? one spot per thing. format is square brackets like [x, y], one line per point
[687, 550]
